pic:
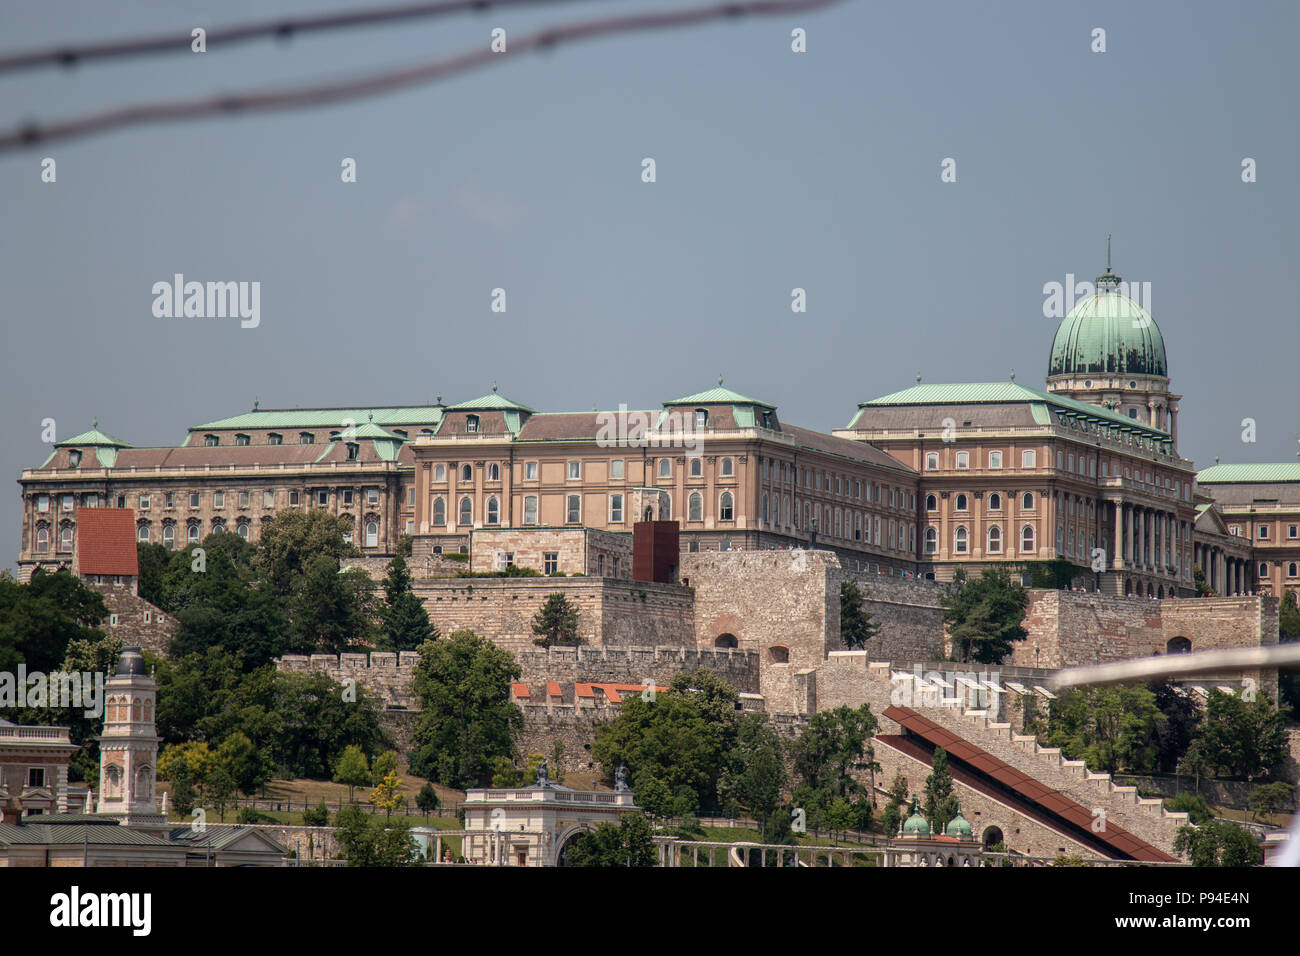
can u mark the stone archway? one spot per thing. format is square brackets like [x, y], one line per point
[567, 839]
[725, 641]
[1178, 645]
[992, 837]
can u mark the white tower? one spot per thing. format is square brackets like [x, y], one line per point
[128, 748]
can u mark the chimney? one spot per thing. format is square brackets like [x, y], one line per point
[13, 811]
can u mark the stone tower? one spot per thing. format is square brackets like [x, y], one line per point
[128, 747]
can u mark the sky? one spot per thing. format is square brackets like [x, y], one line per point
[774, 170]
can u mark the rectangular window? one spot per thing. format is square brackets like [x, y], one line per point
[410, 497]
[69, 502]
[42, 503]
[144, 502]
[575, 470]
[616, 509]
[243, 499]
[410, 526]
[218, 499]
[616, 468]
[171, 500]
[1291, 531]
[963, 459]
[995, 459]
[550, 562]
[322, 498]
[1263, 532]
[530, 509]
[574, 510]
[347, 497]
[293, 497]
[372, 496]
[92, 501]
[194, 499]
[36, 777]
[268, 499]
[530, 471]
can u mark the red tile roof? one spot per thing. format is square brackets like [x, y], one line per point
[106, 541]
[984, 764]
[521, 690]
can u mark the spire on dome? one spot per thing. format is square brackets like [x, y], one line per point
[1108, 279]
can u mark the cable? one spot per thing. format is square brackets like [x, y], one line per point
[288, 98]
[283, 29]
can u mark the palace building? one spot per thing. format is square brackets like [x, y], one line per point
[923, 481]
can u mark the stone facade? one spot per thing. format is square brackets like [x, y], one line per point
[135, 620]
[585, 551]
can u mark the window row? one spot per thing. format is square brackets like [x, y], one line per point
[993, 540]
[961, 502]
[194, 499]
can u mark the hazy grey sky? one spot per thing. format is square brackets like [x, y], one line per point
[818, 170]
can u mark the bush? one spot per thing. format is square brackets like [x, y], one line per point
[249, 815]
[318, 816]
[1197, 810]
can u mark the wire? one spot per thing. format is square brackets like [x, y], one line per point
[136, 114]
[282, 28]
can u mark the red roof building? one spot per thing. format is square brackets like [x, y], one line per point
[106, 542]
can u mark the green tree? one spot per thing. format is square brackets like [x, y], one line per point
[352, 770]
[291, 540]
[467, 718]
[220, 788]
[182, 795]
[985, 616]
[427, 800]
[1109, 727]
[505, 775]
[384, 764]
[1288, 681]
[1175, 725]
[753, 777]
[556, 624]
[318, 816]
[1197, 810]
[629, 844]
[856, 626]
[152, 561]
[320, 717]
[330, 609]
[244, 762]
[405, 622]
[39, 619]
[1218, 843]
[833, 748]
[1241, 738]
[940, 801]
[387, 795]
[1199, 582]
[1276, 797]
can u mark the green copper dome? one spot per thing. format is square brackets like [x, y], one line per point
[916, 825]
[958, 827]
[1107, 332]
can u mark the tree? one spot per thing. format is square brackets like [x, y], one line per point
[856, 627]
[1199, 582]
[505, 775]
[754, 775]
[330, 609]
[1218, 843]
[405, 622]
[940, 801]
[1276, 797]
[39, 619]
[367, 842]
[192, 761]
[244, 762]
[220, 788]
[352, 770]
[387, 795]
[427, 800]
[320, 718]
[1288, 681]
[629, 844]
[384, 764]
[985, 616]
[1175, 725]
[1110, 727]
[290, 540]
[1240, 738]
[318, 816]
[556, 624]
[833, 747]
[893, 816]
[467, 718]
[183, 796]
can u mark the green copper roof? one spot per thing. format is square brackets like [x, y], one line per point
[958, 827]
[1249, 474]
[719, 396]
[491, 402]
[326, 417]
[1108, 333]
[995, 393]
[371, 430]
[93, 437]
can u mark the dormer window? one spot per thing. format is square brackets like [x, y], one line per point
[767, 419]
[306, 438]
[74, 458]
[212, 441]
[471, 423]
[354, 451]
[273, 439]
[242, 440]
[701, 418]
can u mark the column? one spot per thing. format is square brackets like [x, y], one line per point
[1117, 541]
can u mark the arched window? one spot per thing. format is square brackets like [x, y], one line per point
[963, 504]
[725, 509]
[439, 472]
[765, 513]
[1027, 501]
[778, 654]
[42, 539]
[931, 503]
[243, 530]
[1292, 569]
[1027, 538]
[667, 509]
[995, 540]
[466, 473]
[931, 540]
[169, 536]
[494, 472]
[727, 468]
[493, 510]
[372, 534]
[726, 640]
[697, 467]
[439, 511]
[1178, 645]
[306, 438]
[65, 538]
[931, 460]
[192, 533]
[960, 540]
[142, 532]
[963, 459]
[995, 502]
[466, 511]
[665, 468]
